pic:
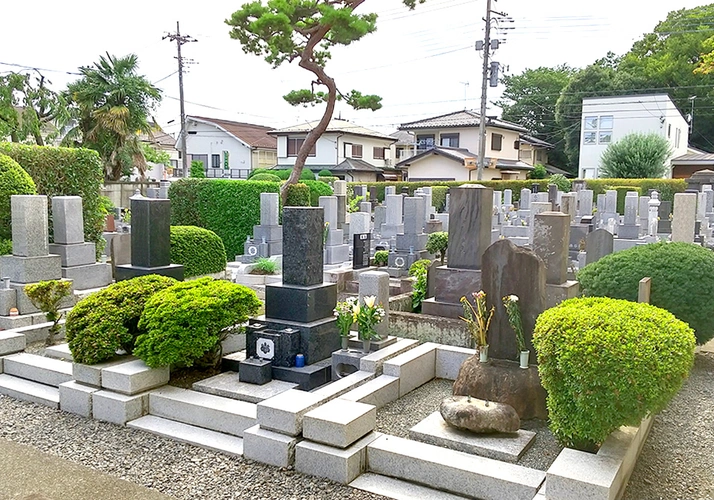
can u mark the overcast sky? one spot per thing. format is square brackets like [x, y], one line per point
[422, 63]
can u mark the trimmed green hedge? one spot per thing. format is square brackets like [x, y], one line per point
[229, 208]
[184, 324]
[317, 189]
[665, 187]
[13, 180]
[283, 174]
[438, 197]
[607, 363]
[66, 172]
[199, 250]
[682, 280]
[298, 195]
[265, 177]
[621, 194]
[106, 321]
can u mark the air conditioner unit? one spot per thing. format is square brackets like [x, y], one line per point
[470, 163]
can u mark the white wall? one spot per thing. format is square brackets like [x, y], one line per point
[631, 114]
[330, 149]
[210, 140]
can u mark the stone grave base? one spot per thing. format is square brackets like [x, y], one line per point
[433, 307]
[128, 271]
[318, 339]
[31, 269]
[228, 385]
[619, 244]
[346, 362]
[450, 284]
[302, 304]
[308, 377]
[555, 294]
[507, 447]
[88, 276]
[356, 344]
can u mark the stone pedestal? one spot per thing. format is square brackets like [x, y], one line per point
[267, 238]
[449, 286]
[376, 283]
[300, 303]
[555, 294]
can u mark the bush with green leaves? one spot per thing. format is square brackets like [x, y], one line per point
[621, 194]
[381, 258]
[264, 266]
[13, 180]
[5, 246]
[437, 243]
[606, 363]
[265, 177]
[324, 173]
[47, 296]
[184, 324]
[636, 156]
[317, 189]
[196, 170]
[107, 321]
[561, 181]
[229, 208]
[419, 266]
[298, 195]
[66, 172]
[199, 251]
[419, 270]
[438, 197]
[682, 280]
[538, 172]
[284, 174]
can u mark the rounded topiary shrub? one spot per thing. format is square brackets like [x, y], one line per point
[199, 250]
[607, 363]
[265, 177]
[298, 195]
[107, 321]
[682, 280]
[186, 323]
[13, 180]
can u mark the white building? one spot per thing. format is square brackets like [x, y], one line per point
[606, 120]
[227, 148]
[347, 150]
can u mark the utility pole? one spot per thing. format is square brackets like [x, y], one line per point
[487, 45]
[180, 40]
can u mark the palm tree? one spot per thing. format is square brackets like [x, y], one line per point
[112, 103]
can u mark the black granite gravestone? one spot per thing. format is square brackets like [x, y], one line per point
[360, 252]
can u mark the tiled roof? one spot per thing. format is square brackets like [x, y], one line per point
[335, 125]
[254, 135]
[534, 141]
[694, 158]
[464, 118]
[460, 154]
[403, 138]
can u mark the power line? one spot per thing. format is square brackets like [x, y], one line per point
[40, 69]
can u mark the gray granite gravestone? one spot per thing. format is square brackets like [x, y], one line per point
[598, 244]
[267, 238]
[630, 228]
[411, 244]
[551, 236]
[336, 251]
[393, 225]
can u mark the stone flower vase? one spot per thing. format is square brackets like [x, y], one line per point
[525, 356]
[345, 342]
[483, 353]
[366, 344]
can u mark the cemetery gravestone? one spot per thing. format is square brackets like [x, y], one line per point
[598, 244]
[685, 213]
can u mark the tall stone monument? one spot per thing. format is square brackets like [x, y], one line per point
[267, 238]
[336, 251]
[551, 236]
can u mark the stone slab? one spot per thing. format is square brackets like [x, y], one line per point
[75, 255]
[215, 413]
[76, 398]
[14, 322]
[452, 471]
[38, 369]
[303, 304]
[399, 490]
[449, 360]
[31, 269]
[59, 351]
[269, 447]
[185, 433]
[339, 423]
[92, 374]
[11, 342]
[228, 385]
[284, 413]
[8, 300]
[507, 447]
[307, 377]
[344, 385]
[374, 362]
[119, 408]
[377, 392]
[555, 294]
[26, 390]
[133, 377]
[342, 466]
[450, 284]
[89, 276]
[414, 368]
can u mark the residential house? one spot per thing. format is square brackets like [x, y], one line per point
[347, 150]
[229, 149]
[447, 148]
[606, 120]
[692, 161]
[534, 151]
[160, 140]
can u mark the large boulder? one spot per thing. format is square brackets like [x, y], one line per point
[503, 381]
[479, 416]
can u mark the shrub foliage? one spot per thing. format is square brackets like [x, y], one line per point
[682, 280]
[381, 258]
[66, 172]
[199, 250]
[437, 243]
[13, 180]
[186, 322]
[607, 363]
[298, 195]
[106, 321]
[636, 156]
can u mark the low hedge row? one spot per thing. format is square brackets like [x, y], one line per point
[13, 180]
[665, 187]
[65, 172]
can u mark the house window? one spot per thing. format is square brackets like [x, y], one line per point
[202, 158]
[598, 130]
[294, 145]
[496, 142]
[378, 153]
[356, 151]
[591, 123]
[669, 131]
[450, 140]
[215, 161]
[590, 138]
[516, 145]
[425, 141]
[605, 130]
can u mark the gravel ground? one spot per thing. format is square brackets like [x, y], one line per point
[677, 461]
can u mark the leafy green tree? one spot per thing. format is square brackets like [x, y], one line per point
[635, 156]
[29, 110]
[155, 155]
[305, 31]
[111, 104]
[529, 100]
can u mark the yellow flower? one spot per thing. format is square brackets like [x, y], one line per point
[369, 300]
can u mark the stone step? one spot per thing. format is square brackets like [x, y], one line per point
[398, 489]
[39, 369]
[228, 385]
[184, 433]
[452, 471]
[27, 390]
[59, 351]
[202, 410]
[374, 361]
